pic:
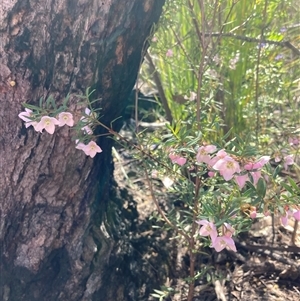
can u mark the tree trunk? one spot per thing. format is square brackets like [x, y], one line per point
[58, 225]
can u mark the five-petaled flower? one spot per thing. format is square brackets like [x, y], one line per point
[25, 116]
[227, 167]
[207, 229]
[222, 242]
[203, 153]
[47, 123]
[91, 149]
[65, 118]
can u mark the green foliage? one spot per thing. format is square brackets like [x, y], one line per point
[245, 69]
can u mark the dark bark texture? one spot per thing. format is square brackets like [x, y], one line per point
[59, 227]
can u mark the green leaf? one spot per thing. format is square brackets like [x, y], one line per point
[261, 188]
[276, 171]
[41, 102]
[294, 184]
[287, 188]
[67, 98]
[224, 138]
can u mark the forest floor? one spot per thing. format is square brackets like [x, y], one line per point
[266, 266]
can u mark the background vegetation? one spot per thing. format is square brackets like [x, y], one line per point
[242, 59]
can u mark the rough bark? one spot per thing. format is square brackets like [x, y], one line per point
[58, 226]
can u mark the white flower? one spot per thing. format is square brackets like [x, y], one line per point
[65, 118]
[47, 123]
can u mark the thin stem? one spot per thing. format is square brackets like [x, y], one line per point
[160, 211]
[196, 25]
[257, 72]
[185, 53]
[192, 242]
[294, 234]
[286, 44]
[160, 88]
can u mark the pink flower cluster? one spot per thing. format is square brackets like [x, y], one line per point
[48, 124]
[287, 160]
[218, 242]
[228, 167]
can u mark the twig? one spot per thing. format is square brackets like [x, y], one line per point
[286, 44]
[192, 242]
[295, 232]
[185, 52]
[160, 211]
[196, 25]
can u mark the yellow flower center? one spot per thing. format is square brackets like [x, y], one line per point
[230, 165]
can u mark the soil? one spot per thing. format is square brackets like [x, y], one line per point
[266, 266]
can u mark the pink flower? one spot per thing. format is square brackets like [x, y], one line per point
[24, 116]
[47, 123]
[79, 145]
[241, 180]
[253, 212]
[294, 141]
[284, 219]
[181, 161]
[87, 111]
[277, 158]
[154, 39]
[229, 230]
[221, 154]
[87, 129]
[296, 215]
[207, 229]
[154, 174]
[256, 165]
[227, 167]
[211, 174]
[223, 242]
[91, 149]
[203, 153]
[255, 175]
[177, 159]
[288, 160]
[169, 53]
[65, 118]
